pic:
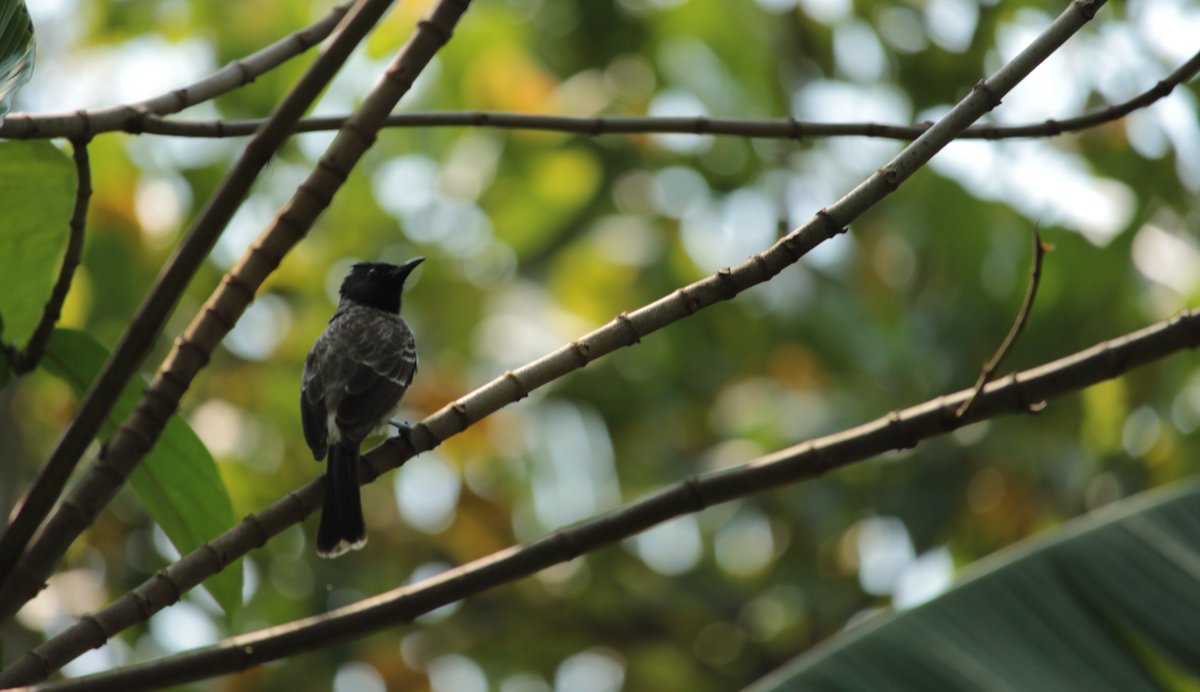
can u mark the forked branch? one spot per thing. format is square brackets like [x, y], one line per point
[989, 368]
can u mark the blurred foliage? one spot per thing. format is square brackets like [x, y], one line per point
[1106, 612]
[534, 238]
[177, 482]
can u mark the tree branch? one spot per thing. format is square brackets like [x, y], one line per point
[897, 430]
[626, 329]
[132, 117]
[776, 128]
[1018, 326]
[26, 359]
[19, 576]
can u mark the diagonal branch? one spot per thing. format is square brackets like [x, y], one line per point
[626, 329]
[132, 117]
[897, 430]
[153, 312]
[27, 358]
[1035, 278]
[777, 128]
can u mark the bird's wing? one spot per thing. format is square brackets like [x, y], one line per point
[312, 406]
[384, 360]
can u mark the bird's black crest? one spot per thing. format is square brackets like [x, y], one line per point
[377, 284]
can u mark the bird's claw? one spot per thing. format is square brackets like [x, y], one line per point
[403, 431]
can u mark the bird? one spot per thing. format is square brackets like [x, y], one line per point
[354, 378]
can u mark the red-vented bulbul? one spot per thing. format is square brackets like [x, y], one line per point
[354, 378]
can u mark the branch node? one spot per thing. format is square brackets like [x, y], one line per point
[103, 466]
[1087, 8]
[789, 243]
[99, 628]
[433, 439]
[352, 126]
[635, 335]
[991, 98]
[181, 99]
[183, 343]
[460, 409]
[135, 121]
[47, 668]
[303, 509]
[692, 486]
[904, 438]
[33, 126]
[325, 163]
[247, 75]
[583, 350]
[725, 279]
[568, 541]
[522, 390]
[426, 25]
[222, 559]
[689, 301]
[217, 316]
[233, 280]
[142, 601]
[85, 121]
[760, 261]
[176, 593]
[832, 227]
[891, 178]
[795, 130]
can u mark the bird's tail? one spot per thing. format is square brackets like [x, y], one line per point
[342, 527]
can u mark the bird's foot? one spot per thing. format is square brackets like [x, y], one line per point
[404, 432]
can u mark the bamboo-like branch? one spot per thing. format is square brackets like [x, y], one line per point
[902, 429]
[18, 576]
[27, 358]
[774, 128]
[627, 328]
[132, 117]
[1035, 278]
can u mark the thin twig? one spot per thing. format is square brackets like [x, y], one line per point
[897, 430]
[146, 324]
[624, 330]
[27, 358]
[775, 128]
[131, 117]
[989, 368]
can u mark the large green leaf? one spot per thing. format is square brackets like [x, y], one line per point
[37, 191]
[177, 481]
[16, 51]
[1110, 601]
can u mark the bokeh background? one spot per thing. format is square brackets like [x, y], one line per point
[532, 239]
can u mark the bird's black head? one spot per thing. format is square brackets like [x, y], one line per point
[377, 284]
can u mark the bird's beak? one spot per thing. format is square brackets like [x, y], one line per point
[405, 269]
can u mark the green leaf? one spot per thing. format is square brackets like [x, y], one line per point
[177, 481]
[16, 51]
[37, 193]
[1110, 601]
